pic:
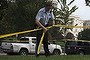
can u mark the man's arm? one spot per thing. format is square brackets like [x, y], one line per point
[40, 25]
[37, 21]
[53, 18]
[53, 22]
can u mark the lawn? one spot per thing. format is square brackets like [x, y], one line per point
[32, 57]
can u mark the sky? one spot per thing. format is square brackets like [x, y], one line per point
[83, 11]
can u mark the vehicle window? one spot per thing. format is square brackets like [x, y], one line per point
[86, 43]
[80, 43]
[83, 43]
[24, 40]
[71, 43]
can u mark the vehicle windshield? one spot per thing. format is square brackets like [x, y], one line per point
[71, 43]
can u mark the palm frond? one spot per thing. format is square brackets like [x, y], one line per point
[58, 1]
[64, 2]
[71, 2]
[74, 8]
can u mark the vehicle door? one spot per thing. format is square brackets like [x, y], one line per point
[86, 47]
[70, 47]
[32, 45]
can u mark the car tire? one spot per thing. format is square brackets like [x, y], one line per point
[81, 53]
[23, 52]
[56, 52]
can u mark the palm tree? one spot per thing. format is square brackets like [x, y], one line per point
[64, 12]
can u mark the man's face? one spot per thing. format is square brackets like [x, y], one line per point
[48, 8]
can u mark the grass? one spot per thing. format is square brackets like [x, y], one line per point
[31, 57]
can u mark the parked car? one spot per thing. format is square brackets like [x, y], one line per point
[77, 47]
[27, 46]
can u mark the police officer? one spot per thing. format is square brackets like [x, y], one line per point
[44, 18]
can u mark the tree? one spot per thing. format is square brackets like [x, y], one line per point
[63, 13]
[69, 36]
[84, 35]
[3, 4]
[55, 34]
[20, 16]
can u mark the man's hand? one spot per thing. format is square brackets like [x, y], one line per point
[45, 30]
[40, 25]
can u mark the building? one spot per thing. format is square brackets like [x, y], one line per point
[86, 23]
[76, 22]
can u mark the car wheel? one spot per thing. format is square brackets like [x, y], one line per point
[56, 52]
[81, 53]
[23, 52]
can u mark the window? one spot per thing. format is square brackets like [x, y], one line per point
[71, 43]
[24, 40]
[80, 43]
[86, 43]
[83, 43]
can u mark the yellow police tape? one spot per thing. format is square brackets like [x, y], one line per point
[64, 26]
[11, 34]
[40, 44]
[69, 26]
[76, 40]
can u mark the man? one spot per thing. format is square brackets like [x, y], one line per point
[44, 18]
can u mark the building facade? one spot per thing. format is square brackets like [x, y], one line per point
[76, 22]
[86, 23]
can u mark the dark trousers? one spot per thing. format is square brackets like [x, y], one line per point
[45, 42]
